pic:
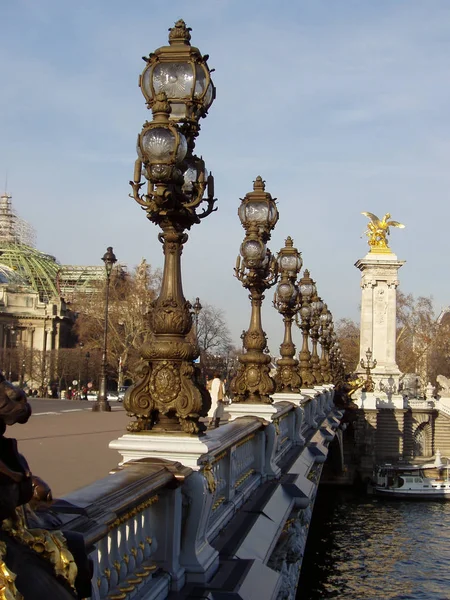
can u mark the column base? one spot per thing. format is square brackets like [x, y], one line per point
[101, 406]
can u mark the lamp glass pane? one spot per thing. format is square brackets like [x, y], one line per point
[252, 250]
[209, 96]
[190, 177]
[288, 262]
[285, 291]
[306, 289]
[146, 82]
[200, 81]
[256, 212]
[178, 111]
[176, 79]
[182, 149]
[158, 144]
[305, 312]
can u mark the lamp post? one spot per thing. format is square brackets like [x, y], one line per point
[80, 360]
[12, 332]
[307, 290]
[257, 270]
[326, 327]
[316, 307]
[22, 374]
[287, 302]
[368, 365]
[87, 356]
[177, 86]
[102, 404]
[196, 308]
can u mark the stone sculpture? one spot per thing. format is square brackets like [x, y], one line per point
[443, 386]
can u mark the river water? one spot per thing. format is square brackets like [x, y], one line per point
[364, 548]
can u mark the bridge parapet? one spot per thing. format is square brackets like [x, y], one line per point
[124, 519]
[155, 526]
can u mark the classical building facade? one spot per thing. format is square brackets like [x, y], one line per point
[35, 317]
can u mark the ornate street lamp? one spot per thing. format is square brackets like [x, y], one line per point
[102, 403]
[257, 271]
[287, 302]
[307, 289]
[316, 310]
[196, 308]
[87, 357]
[368, 365]
[177, 86]
[326, 328]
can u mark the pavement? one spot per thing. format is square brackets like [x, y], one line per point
[67, 444]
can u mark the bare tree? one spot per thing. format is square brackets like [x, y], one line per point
[348, 333]
[417, 330]
[130, 305]
[213, 334]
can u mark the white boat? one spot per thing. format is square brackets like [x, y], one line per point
[428, 481]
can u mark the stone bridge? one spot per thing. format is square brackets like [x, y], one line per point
[230, 515]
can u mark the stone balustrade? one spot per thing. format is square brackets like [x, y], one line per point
[236, 518]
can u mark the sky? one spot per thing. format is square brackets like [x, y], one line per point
[340, 106]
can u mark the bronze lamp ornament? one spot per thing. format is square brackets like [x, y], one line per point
[307, 289]
[177, 86]
[287, 302]
[256, 268]
[326, 327]
[368, 365]
[316, 309]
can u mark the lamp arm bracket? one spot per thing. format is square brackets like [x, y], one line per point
[198, 198]
[210, 209]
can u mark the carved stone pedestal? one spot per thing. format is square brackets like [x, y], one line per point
[379, 281]
[247, 409]
[183, 448]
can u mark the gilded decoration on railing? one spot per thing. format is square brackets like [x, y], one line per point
[168, 395]
[257, 270]
[245, 440]
[50, 545]
[8, 590]
[209, 476]
[218, 503]
[243, 478]
[133, 512]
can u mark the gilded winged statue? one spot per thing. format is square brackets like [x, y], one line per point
[378, 230]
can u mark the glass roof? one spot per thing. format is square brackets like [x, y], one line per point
[36, 268]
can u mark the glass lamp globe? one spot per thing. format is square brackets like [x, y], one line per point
[305, 313]
[162, 145]
[182, 73]
[286, 292]
[306, 290]
[253, 252]
[317, 305]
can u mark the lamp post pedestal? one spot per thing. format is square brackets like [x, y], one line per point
[102, 404]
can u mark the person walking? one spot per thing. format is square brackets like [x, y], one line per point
[217, 392]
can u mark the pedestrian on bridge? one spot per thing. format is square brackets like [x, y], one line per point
[217, 392]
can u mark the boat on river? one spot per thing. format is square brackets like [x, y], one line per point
[429, 481]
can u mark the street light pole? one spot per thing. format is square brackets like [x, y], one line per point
[179, 193]
[87, 356]
[12, 331]
[102, 404]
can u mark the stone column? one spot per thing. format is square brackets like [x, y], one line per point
[379, 281]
